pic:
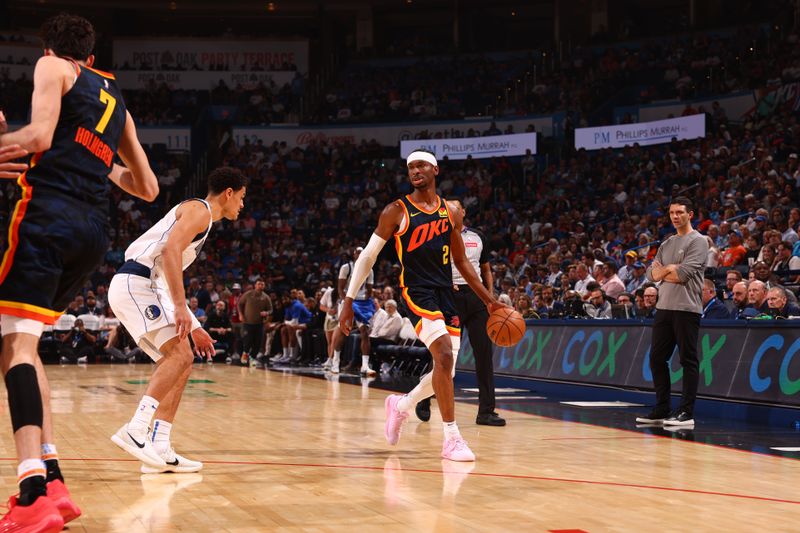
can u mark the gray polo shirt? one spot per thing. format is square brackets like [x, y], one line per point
[690, 253]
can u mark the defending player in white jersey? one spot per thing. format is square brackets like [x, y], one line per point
[148, 296]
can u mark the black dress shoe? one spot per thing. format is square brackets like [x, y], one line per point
[423, 410]
[491, 419]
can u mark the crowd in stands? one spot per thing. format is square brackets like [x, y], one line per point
[571, 238]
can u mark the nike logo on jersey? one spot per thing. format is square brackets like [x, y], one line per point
[136, 442]
[426, 232]
[414, 214]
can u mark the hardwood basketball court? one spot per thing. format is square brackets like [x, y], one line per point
[285, 452]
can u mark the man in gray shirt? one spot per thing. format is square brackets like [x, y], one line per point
[678, 265]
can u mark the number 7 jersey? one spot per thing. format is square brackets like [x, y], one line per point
[85, 140]
[423, 245]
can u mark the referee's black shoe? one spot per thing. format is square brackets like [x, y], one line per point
[654, 417]
[423, 410]
[490, 419]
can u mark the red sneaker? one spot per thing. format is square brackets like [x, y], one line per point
[40, 517]
[57, 491]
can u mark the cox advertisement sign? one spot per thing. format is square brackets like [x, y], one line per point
[643, 133]
[478, 147]
[759, 363]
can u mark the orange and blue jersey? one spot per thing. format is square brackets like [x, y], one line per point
[85, 140]
[423, 246]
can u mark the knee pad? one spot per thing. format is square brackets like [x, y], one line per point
[24, 398]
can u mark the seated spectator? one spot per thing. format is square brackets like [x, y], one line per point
[625, 272]
[525, 307]
[386, 324]
[713, 308]
[583, 279]
[732, 277]
[121, 346]
[779, 306]
[626, 308]
[597, 306]
[637, 278]
[218, 325]
[740, 300]
[549, 307]
[735, 252]
[76, 345]
[194, 307]
[76, 307]
[761, 271]
[612, 285]
[757, 297]
[785, 261]
[297, 316]
[649, 300]
[91, 305]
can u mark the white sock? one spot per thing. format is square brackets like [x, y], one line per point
[29, 468]
[450, 430]
[424, 389]
[160, 435]
[286, 352]
[144, 414]
[364, 361]
[49, 452]
[337, 354]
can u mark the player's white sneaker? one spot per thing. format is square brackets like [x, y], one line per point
[174, 463]
[137, 443]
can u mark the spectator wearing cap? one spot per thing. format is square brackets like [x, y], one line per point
[779, 305]
[713, 308]
[735, 252]
[637, 278]
[625, 272]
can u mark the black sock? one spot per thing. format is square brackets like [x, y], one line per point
[53, 471]
[30, 489]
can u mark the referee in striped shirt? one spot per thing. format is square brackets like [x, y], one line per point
[473, 316]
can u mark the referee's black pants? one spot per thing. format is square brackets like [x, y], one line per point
[671, 328]
[473, 315]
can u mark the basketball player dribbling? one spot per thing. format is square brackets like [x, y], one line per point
[427, 237]
[148, 297]
[58, 236]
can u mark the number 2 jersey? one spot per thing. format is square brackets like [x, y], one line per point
[85, 140]
[423, 245]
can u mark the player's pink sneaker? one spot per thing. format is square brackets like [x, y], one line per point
[394, 419]
[456, 449]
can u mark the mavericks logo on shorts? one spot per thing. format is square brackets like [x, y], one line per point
[152, 312]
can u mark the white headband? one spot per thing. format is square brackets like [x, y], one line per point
[419, 155]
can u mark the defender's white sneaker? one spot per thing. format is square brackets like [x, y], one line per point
[174, 463]
[137, 443]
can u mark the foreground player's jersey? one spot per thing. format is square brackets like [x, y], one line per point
[423, 246]
[85, 141]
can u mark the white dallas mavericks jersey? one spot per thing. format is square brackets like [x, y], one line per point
[146, 250]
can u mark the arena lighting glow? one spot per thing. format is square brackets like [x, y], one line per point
[271, 6]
